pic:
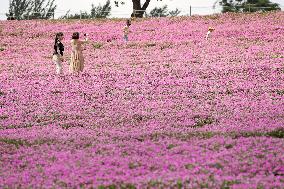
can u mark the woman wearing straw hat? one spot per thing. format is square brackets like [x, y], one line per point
[77, 58]
[210, 30]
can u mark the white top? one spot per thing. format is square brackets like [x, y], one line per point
[208, 35]
[125, 30]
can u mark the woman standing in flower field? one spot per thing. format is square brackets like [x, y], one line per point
[126, 30]
[58, 52]
[77, 58]
[210, 30]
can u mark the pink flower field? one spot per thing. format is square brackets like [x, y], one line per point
[166, 110]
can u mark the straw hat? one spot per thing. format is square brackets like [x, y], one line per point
[211, 29]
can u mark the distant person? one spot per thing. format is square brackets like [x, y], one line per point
[209, 33]
[58, 52]
[126, 30]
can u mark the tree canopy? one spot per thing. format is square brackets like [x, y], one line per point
[31, 9]
[163, 12]
[100, 11]
[247, 5]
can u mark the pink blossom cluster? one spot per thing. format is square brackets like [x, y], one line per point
[168, 109]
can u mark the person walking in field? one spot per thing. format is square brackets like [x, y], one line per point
[77, 58]
[126, 30]
[209, 33]
[58, 52]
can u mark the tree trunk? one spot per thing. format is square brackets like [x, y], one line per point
[138, 11]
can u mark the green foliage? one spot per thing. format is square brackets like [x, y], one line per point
[179, 184]
[112, 186]
[128, 186]
[154, 184]
[170, 146]
[31, 9]
[163, 12]
[16, 142]
[174, 12]
[277, 133]
[66, 126]
[82, 15]
[3, 117]
[189, 166]
[165, 46]
[97, 45]
[159, 12]
[56, 92]
[260, 186]
[18, 9]
[101, 11]
[277, 56]
[121, 186]
[42, 9]
[96, 12]
[279, 92]
[228, 183]
[150, 44]
[133, 165]
[217, 165]
[205, 135]
[200, 122]
[229, 146]
[248, 5]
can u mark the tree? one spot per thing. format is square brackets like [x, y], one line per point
[260, 5]
[138, 10]
[82, 15]
[101, 11]
[96, 12]
[159, 12]
[31, 9]
[43, 9]
[18, 9]
[174, 12]
[163, 12]
[247, 5]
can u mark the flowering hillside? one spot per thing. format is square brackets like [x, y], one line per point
[167, 110]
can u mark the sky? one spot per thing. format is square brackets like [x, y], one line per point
[201, 7]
